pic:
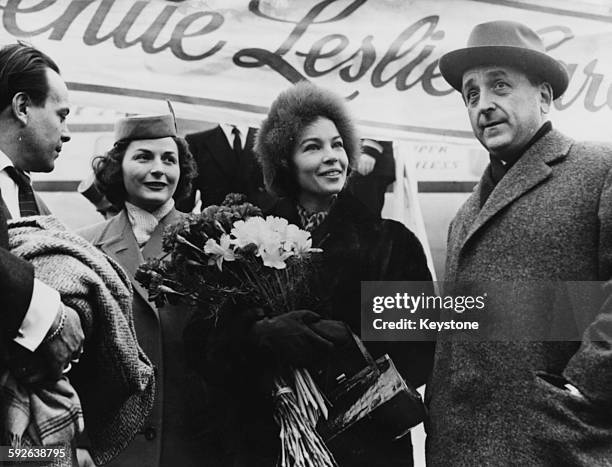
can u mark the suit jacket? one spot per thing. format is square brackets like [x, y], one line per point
[549, 220]
[16, 283]
[170, 436]
[220, 172]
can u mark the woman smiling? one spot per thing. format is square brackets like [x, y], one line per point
[147, 169]
[306, 146]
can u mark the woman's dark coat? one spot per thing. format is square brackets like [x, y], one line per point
[169, 437]
[356, 246]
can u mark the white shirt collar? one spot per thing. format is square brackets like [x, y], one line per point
[5, 161]
[227, 130]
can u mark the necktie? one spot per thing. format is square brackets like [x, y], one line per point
[27, 201]
[237, 146]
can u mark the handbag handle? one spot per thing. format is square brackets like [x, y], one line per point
[368, 357]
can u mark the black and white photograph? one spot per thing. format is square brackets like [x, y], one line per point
[305, 233]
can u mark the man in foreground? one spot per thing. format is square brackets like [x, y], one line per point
[541, 216]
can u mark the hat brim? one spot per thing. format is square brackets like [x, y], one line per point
[454, 64]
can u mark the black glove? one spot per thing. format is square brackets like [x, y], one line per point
[337, 332]
[290, 338]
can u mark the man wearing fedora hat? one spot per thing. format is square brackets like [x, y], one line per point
[528, 392]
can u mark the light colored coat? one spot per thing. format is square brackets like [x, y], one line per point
[168, 437]
[490, 403]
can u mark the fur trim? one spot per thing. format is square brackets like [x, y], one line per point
[291, 112]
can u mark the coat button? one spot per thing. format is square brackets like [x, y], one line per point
[150, 433]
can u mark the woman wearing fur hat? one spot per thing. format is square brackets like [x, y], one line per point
[147, 169]
[306, 146]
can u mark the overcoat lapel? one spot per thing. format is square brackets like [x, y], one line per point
[120, 244]
[153, 248]
[529, 171]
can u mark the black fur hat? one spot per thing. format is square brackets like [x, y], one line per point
[291, 112]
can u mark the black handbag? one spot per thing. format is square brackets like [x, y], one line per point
[376, 398]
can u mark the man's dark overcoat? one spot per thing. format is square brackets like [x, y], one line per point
[504, 402]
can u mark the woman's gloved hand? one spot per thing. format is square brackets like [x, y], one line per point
[291, 337]
[337, 332]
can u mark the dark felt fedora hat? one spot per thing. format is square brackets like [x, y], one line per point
[504, 43]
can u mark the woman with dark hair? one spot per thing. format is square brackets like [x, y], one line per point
[306, 146]
[147, 169]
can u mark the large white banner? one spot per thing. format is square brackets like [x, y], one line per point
[226, 60]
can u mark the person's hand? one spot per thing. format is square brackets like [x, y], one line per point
[63, 344]
[54, 356]
[337, 332]
[366, 164]
[291, 337]
[84, 458]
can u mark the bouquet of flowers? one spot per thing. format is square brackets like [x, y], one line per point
[229, 251]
